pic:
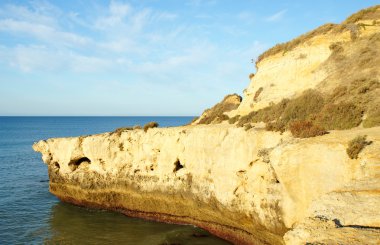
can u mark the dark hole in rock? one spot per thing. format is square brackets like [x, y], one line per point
[74, 164]
[177, 166]
[57, 165]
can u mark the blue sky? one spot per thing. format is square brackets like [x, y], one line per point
[127, 58]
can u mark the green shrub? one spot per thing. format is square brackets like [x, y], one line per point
[150, 125]
[305, 129]
[339, 116]
[356, 145]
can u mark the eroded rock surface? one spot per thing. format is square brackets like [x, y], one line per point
[246, 184]
[249, 187]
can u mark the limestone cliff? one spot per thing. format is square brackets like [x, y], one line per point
[249, 185]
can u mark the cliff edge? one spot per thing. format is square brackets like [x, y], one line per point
[295, 161]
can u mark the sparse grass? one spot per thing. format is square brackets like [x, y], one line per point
[248, 127]
[336, 47]
[311, 113]
[221, 118]
[118, 131]
[121, 147]
[150, 125]
[276, 126]
[234, 119]
[193, 120]
[136, 127]
[370, 13]
[373, 117]
[257, 94]
[288, 46]
[350, 90]
[356, 145]
[339, 116]
[305, 129]
[246, 119]
[264, 154]
[216, 113]
[309, 103]
[302, 56]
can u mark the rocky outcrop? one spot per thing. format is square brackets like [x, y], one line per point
[288, 69]
[249, 187]
[246, 185]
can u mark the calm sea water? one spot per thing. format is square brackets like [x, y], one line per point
[29, 214]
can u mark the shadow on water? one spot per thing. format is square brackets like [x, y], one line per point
[70, 224]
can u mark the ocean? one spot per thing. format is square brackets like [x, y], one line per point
[29, 214]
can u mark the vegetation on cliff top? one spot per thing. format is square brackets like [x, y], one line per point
[347, 97]
[349, 24]
[150, 125]
[216, 113]
[356, 145]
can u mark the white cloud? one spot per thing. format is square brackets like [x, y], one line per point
[44, 14]
[42, 32]
[277, 16]
[171, 64]
[41, 58]
[117, 12]
[29, 58]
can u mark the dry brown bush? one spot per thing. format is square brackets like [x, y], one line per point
[305, 129]
[150, 125]
[219, 109]
[251, 75]
[356, 145]
[339, 116]
[118, 131]
[276, 126]
[309, 103]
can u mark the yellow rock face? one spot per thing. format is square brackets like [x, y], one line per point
[288, 73]
[246, 185]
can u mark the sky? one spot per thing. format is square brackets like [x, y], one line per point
[142, 57]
